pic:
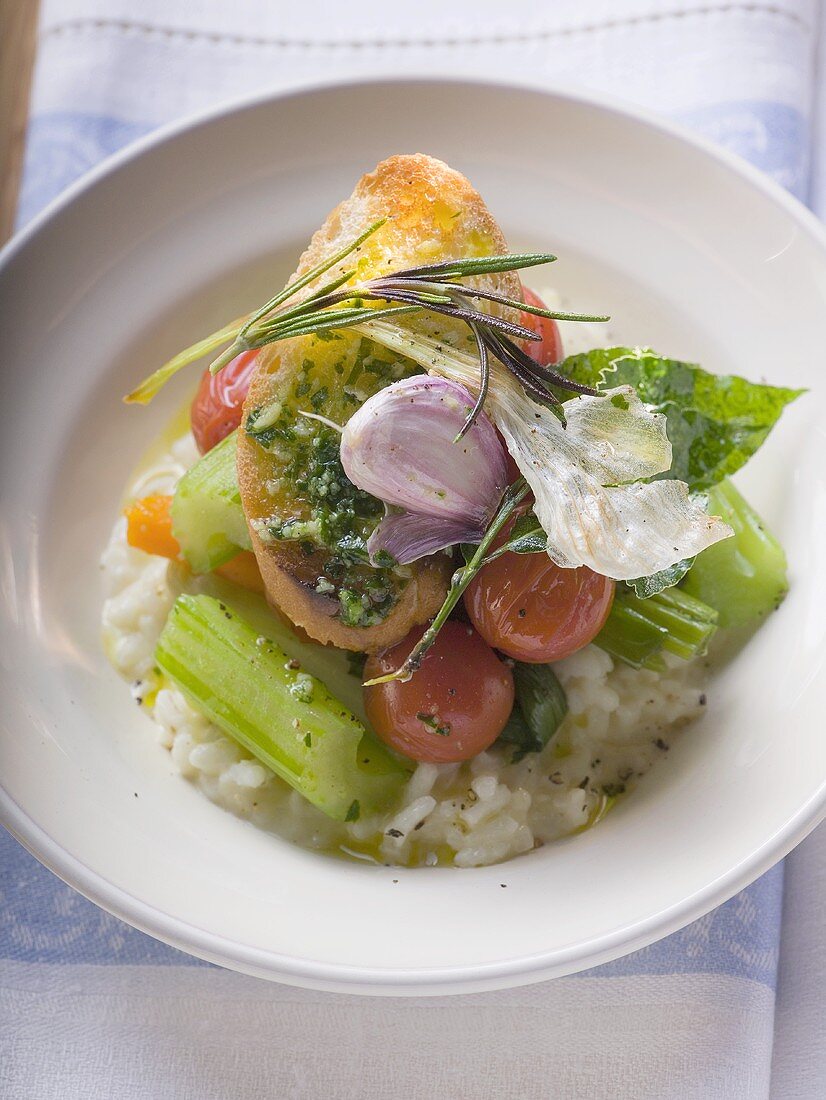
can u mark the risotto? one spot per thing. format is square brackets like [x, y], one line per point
[620, 721]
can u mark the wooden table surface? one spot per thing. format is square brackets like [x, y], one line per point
[18, 39]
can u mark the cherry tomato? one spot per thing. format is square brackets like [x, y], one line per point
[530, 609]
[453, 707]
[216, 410]
[548, 349]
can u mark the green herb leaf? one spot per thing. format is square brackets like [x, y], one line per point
[481, 265]
[329, 308]
[587, 368]
[541, 706]
[432, 721]
[715, 422]
[644, 587]
[518, 733]
[542, 700]
[527, 536]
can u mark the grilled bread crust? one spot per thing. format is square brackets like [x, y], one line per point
[433, 214]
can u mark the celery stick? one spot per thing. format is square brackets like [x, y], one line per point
[637, 631]
[689, 623]
[332, 666]
[743, 577]
[286, 718]
[631, 637]
[207, 518]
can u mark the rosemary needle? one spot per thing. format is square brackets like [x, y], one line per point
[432, 288]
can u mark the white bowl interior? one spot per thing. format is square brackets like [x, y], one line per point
[687, 254]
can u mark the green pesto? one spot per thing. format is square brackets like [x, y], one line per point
[338, 517]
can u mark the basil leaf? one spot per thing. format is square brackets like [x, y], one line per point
[715, 422]
[539, 710]
[541, 698]
[527, 536]
[518, 733]
[666, 578]
[588, 367]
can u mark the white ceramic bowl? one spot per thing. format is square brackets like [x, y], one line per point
[690, 251]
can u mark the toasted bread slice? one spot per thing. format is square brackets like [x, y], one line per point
[307, 522]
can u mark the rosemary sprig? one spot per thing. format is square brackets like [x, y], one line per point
[484, 382]
[432, 288]
[513, 497]
[241, 342]
[150, 387]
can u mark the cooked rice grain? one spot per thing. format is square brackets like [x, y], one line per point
[472, 814]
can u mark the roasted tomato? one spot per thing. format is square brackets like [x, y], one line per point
[530, 609]
[453, 707]
[548, 349]
[216, 410]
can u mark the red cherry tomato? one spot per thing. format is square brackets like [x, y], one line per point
[530, 609]
[216, 410]
[455, 705]
[545, 351]
[548, 349]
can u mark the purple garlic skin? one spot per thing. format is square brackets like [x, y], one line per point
[401, 447]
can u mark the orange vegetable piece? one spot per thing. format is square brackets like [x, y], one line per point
[243, 569]
[149, 526]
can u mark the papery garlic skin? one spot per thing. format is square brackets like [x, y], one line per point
[589, 495]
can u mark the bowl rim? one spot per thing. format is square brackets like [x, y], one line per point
[423, 981]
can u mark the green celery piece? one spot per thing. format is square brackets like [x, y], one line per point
[330, 665]
[638, 630]
[715, 422]
[689, 623]
[286, 718]
[207, 518]
[632, 638]
[743, 577]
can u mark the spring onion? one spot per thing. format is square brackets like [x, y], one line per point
[637, 631]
